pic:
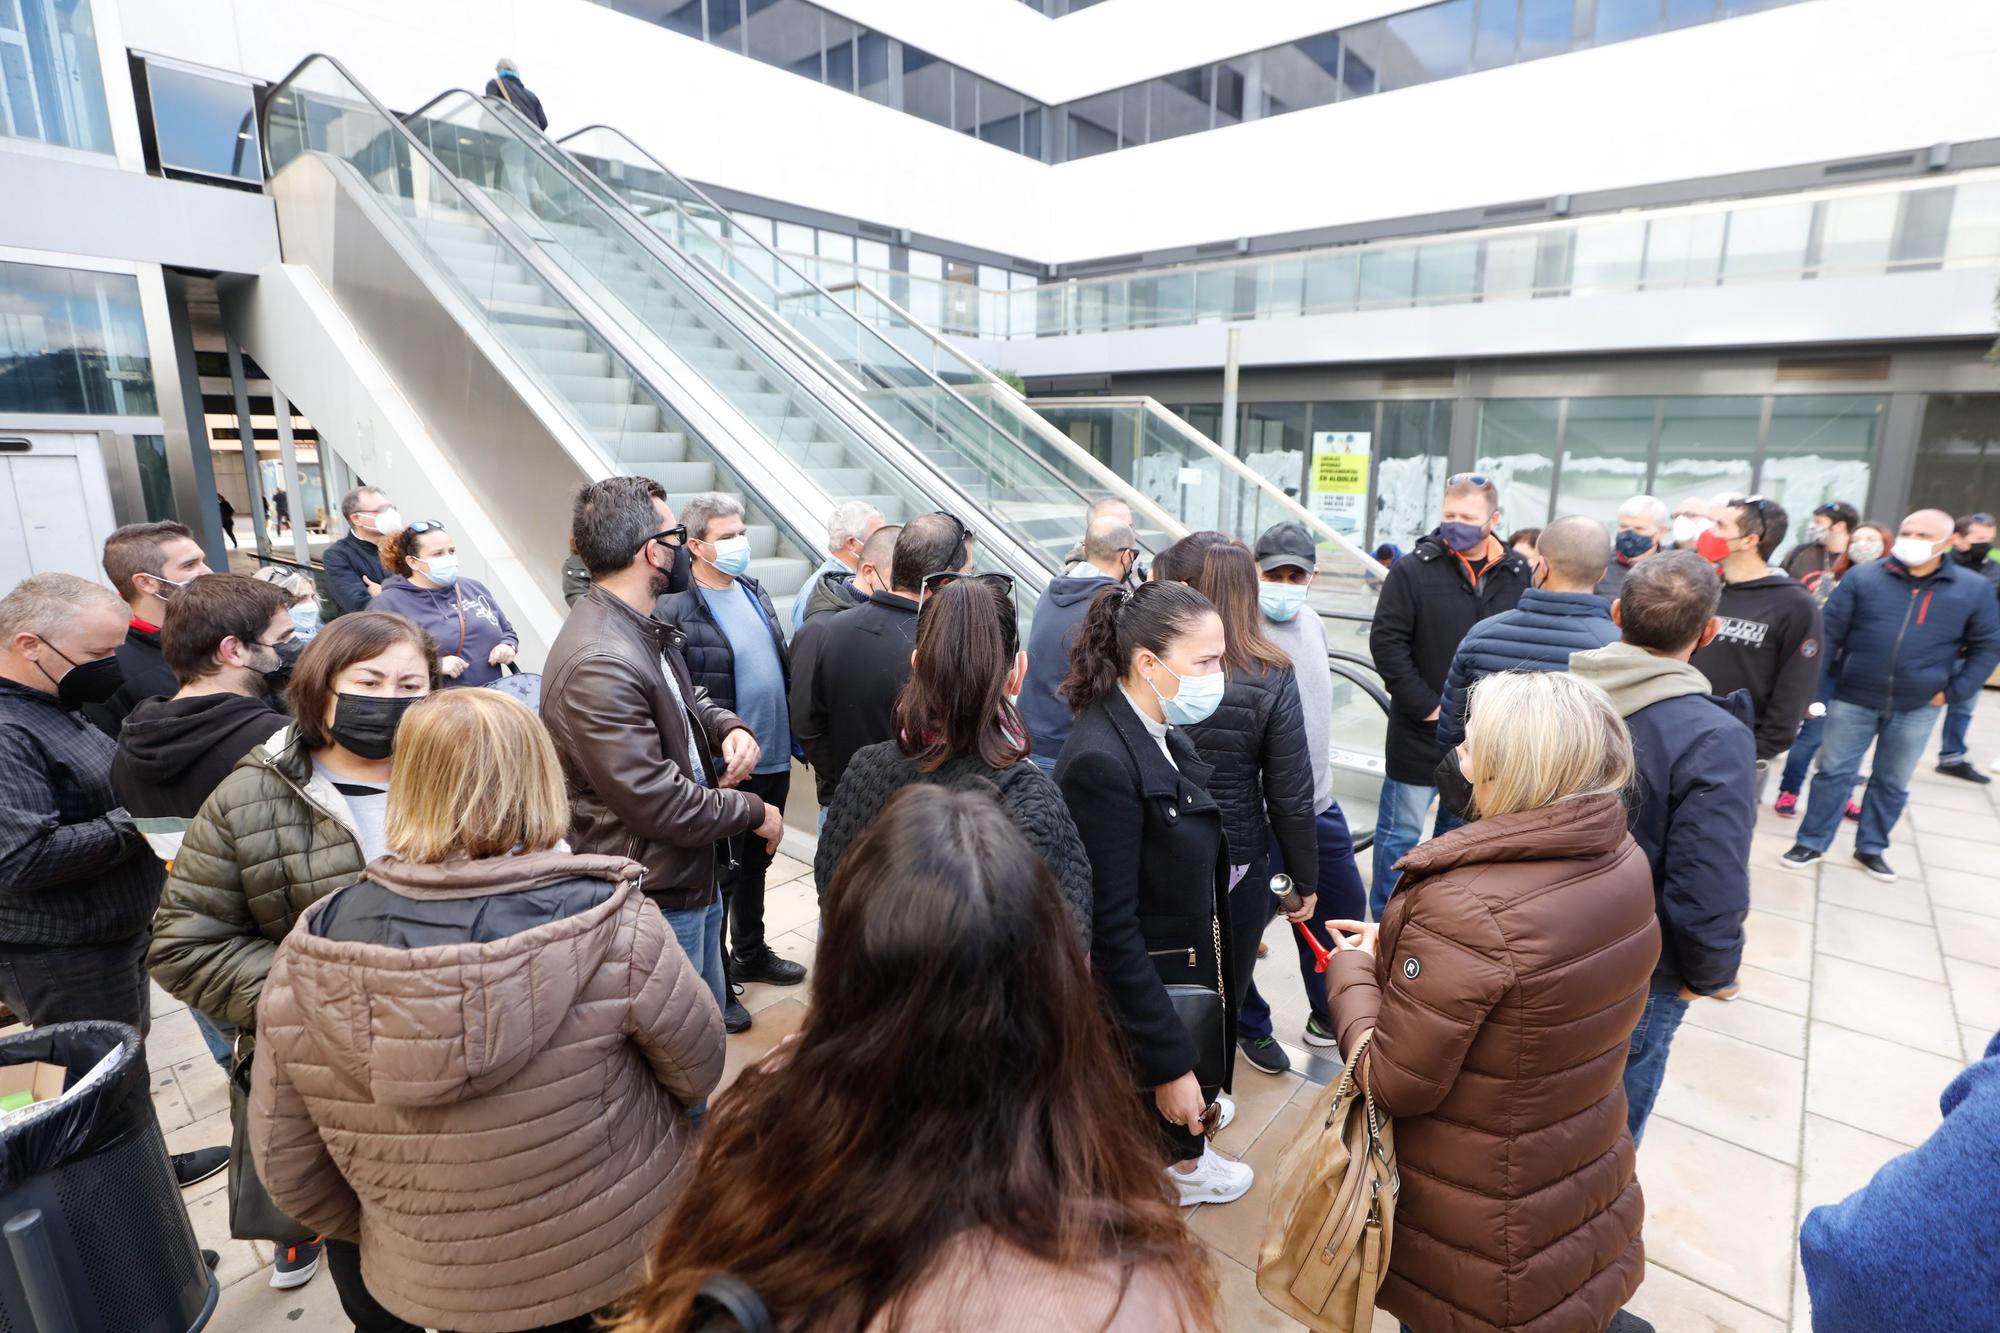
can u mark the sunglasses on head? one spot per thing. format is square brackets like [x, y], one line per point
[428, 525]
[1000, 583]
[1468, 479]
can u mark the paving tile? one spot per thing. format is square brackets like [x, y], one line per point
[163, 1003]
[1746, 1020]
[785, 869]
[789, 906]
[1969, 935]
[1778, 944]
[251, 1306]
[1237, 1229]
[800, 947]
[1896, 946]
[1719, 1214]
[1970, 825]
[774, 1023]
[1975, 990]
[1258, 1097]
[173, 1038]
[240, 1261]
[1672, 1302]
[1781, 893]
[168, 1103]
[1951, 794]
[1961, 891]
[1242, 1306]
[1744, 1094]
[1790, 994]
[203, 1085]
[1845, 886]
[1839, 1159]
[1890, 1005]
[1801, 1300]
[1957, 854]
[1872, 1084]
[1975, 1040]
[1766, 848]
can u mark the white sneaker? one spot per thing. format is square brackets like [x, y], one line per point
[1995, 765]
[1228, 1113]
[1215, 1179]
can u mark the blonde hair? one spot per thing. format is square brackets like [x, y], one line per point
[476, 776]
[1539, 738]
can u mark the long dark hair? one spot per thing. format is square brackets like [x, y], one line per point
[1122, 621]
[1221, 568]
[956, 700]
[956, 1074]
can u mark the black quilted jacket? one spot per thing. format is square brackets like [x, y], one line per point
[1263, 772]
[710, 659]
[1031, 797]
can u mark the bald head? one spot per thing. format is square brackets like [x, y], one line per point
[1575, 550]
[1930, 527]
[1931, 524]
[1106, 543]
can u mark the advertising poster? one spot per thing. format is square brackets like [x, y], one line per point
[1337, 488]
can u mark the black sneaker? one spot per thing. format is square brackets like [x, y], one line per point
[1800, 857]
[1962, 768]
[735, 1018]
[1319, 1034]
[210, 1258]
[191, 1168]
[767, 967]
[1266, 1054]
[1873, 863]
[294, 1265]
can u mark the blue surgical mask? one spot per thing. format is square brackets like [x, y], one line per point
[1464, 538]
[305, 617]
[1632, 545]
[442, 570]
[732, 555]
[1281, 601]
[1197, 701]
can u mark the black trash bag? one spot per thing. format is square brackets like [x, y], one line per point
[111, 1105]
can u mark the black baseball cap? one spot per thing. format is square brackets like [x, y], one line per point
[1287, 544]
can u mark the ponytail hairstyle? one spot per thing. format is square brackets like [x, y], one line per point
[1221, 568]
[956, 700]
[1122, 621]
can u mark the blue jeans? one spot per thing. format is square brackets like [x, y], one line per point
[1341, 898]
[219, 1046]
[1646, 1058]
[1399, 826]
[699, 929]
[1799, 758]
[1957, 717]
[1899, 740]
[1445, 821]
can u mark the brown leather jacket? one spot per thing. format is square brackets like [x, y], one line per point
[624, 750]
[1513, 965]
[479, 1070]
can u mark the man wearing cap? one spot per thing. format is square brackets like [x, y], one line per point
[1286, 560]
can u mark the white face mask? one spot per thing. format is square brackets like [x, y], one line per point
[388, 522]
[1687, 528]
[1914, 551]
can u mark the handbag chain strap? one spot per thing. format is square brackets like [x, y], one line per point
[1215, 925]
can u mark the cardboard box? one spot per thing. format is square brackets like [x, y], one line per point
[22, 1086]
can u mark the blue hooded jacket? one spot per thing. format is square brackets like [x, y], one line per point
[1057, 620]
[1895, 641]
[1537, 635]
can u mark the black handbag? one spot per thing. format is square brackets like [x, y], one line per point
[252, 1214]
[1205, 1014]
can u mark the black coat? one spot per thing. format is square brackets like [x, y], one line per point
[517, 95]
[862, 663]
[347, 562]
[710, 658]
[147, 676]
[1159, 871]
[1427, 603]
[1263, 779]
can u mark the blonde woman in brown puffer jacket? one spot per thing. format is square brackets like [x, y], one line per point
[1509, 971]
[474, 1064]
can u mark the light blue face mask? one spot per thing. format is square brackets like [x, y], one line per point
[442, 570]
[732, 555]
[305, 618]
[1197, 701]
[1281, 601]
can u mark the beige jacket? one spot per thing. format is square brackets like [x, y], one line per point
[479, 1071]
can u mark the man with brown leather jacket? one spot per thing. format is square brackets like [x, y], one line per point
[652, 765]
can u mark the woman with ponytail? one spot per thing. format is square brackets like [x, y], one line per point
[957, 728]
[1147, 663]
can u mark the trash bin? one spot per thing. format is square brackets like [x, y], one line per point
[93, 1235]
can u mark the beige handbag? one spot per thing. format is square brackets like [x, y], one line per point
[1326, 1245]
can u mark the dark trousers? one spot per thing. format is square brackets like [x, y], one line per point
[62, 983]
[743, 870]
[343, 1258]
[1341, 898]
[1250, 908]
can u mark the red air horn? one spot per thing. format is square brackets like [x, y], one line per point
[1289, 901]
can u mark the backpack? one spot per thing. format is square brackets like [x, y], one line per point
[1326, 1243]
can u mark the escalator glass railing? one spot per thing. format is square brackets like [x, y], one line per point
[1360, 739]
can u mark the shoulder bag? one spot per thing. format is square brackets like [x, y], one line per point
[1204, 1012]
[252, 1213]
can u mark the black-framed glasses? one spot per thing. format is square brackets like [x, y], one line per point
[1467, 479]
[677, 535]
[1000, 583]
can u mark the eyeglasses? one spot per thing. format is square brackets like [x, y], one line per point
[1467, 479]
[1000, 583]
[674, 536]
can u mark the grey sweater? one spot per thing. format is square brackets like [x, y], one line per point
[1303, 638]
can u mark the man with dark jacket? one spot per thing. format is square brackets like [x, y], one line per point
[1905, 636]
[871, 575]
[652, 764]
[736, 652]
[1971, 546]
[148, 563]
[1769, 641]
[1109, 549]
[506, 86]
[1459, 574]
[354, 572]
[1695, 806]
[864, 657]
[1826, 540]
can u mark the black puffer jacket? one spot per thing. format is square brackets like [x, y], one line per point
[1263, 779]
[1031, 797]
[710, 659]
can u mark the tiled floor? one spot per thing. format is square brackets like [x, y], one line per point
[1860, 1002]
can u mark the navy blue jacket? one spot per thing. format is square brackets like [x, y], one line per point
[1058, 616]
[1537, 635]
[1895, 641]
[1913, 1250]
[347, 562]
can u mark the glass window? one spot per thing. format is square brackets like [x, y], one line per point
[1545, 28]
[1000, 115]
[872, 255]
[1410, 467]
[203, 123]
[50, 86]
[796, 238]
[1923, 227]
[1621, 20]
[926, 86]
[72, 342]
[1272, 440]
[1684, 13]
[1331, 282]
[1767, 242]
[1420, 45]
[965, 101]
[1606, 444]
[1178, 105]
[1821, 447]
[872, 58]
[1958, 453]
[681, 16]
[1607, 256]
[926, 292]
[1363, 43]
[1517, 448]
[1493, 44]
[1301, 74]
[1280, 288]
[1685, 250]
[1706, 447]
[1855, 233]
[1093, 125]
[1232, 79]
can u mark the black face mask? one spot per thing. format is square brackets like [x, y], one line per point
[675, 577]
[279, 677]
[366, 725]
[1973, 556]
[89, 682]
[1454, 788]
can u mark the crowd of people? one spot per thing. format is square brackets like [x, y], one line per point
[470, 964]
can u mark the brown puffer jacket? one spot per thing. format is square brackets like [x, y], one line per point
[1513, 966]
[478, 1071]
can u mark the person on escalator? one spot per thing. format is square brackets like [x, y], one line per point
[506, 85]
